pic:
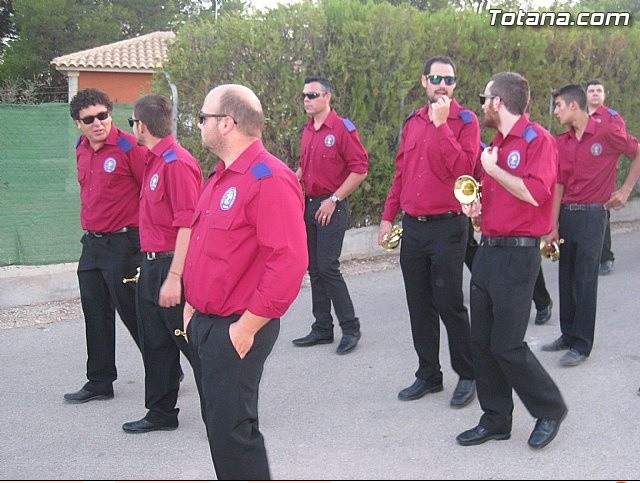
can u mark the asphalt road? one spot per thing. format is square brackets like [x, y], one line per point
[333, 417]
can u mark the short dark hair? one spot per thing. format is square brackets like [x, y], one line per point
[513, 91]
[594, 82]
[86, 98]
[156, 112]
[326, 84]
[571, 93]
[438, 59]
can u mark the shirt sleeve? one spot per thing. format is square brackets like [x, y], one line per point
[542, 168]
[459, 153]
[355, 155]
[183, 186]
[282, 241]
[392, 204]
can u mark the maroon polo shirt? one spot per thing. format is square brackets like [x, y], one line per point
[588, 166]
[172, 183]
[110, 181]
[248, 247]
[330, 154]
[528, 152]
[430, 159]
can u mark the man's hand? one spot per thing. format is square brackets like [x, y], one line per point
[241, 338]
[618, 199]
[439, 110]
[489, 159]
[187, 314]
[171, 291]
[325, 212]
[384, 232]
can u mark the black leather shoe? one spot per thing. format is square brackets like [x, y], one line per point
[544, 315]
[557, 345]
[85, 395]
[348, 343]
[312, 339]
[544, 431]
[464, 393]
[144, 426]
[418, 389]
[606, 267]
[479, 435]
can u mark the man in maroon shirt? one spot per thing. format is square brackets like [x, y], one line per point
[588, 154]
[244, 268]
[517, 197]
[333, 163]
[601, 113]
[110, 167]
[440, 142]
[170, 190]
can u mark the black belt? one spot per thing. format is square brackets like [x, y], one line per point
[441, 216]
[157, 255]
[510, 241]
[99, 234]
[581, 207]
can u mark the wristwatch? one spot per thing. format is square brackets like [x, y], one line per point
[334, 198]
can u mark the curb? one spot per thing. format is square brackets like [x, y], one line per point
[28, 285]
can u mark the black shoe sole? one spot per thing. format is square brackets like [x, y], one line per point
[497, 437]
[464, 403]
[311, 344]
[552, 436]
[97, 397]
[161, 428]
[421, 394]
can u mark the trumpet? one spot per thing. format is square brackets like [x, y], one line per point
[133, 279]
[551, 250]
[393, 240]
[467, 190]
[179, 332]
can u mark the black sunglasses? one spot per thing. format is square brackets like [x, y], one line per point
[311, 95]
[449, 80]
[486, 96]
[132, 121]
[100, 116]
[203, 115]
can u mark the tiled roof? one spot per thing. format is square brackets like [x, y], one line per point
[144, 53]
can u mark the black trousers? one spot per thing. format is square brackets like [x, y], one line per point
[541, 296]
[431, 257]
[104, 262]
[583, 232]
[160, 346]
[607, 254]
[229, 389]
[328, 287]
[501, 289]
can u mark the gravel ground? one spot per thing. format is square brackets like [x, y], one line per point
[47, 313]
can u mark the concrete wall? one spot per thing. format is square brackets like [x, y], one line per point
[25, 285]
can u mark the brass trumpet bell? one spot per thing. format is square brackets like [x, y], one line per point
[133, 279]
[392, 242]
[552, 250]
[467, 190]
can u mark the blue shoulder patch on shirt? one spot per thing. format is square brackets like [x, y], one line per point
[411, 114]
[349, 125]
[261, 170]
[529, 134]
[483, 145]
[613, 112]
[169, 156]
[78, 141]
[465, 116]
[124, 144]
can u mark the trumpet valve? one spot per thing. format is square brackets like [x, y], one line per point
[393, 240]
[133, 279]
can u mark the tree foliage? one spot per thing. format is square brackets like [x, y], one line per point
[374, 52]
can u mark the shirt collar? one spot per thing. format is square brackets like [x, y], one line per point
[245, 160]
[164, 144]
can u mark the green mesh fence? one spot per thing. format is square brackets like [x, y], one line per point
[39, 191]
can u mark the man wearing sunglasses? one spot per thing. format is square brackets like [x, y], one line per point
[601, 113]
[110, 170]
[170, 190]
[333, 163]
[520, 169]
[440, 142]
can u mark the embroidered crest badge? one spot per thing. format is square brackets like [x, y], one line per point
[596, 149]
[329, 140]
[513, 160]
[228, 199]
[109, 165]
[153, 182]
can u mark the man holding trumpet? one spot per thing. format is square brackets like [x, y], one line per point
[440, 142]
[518, 185]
